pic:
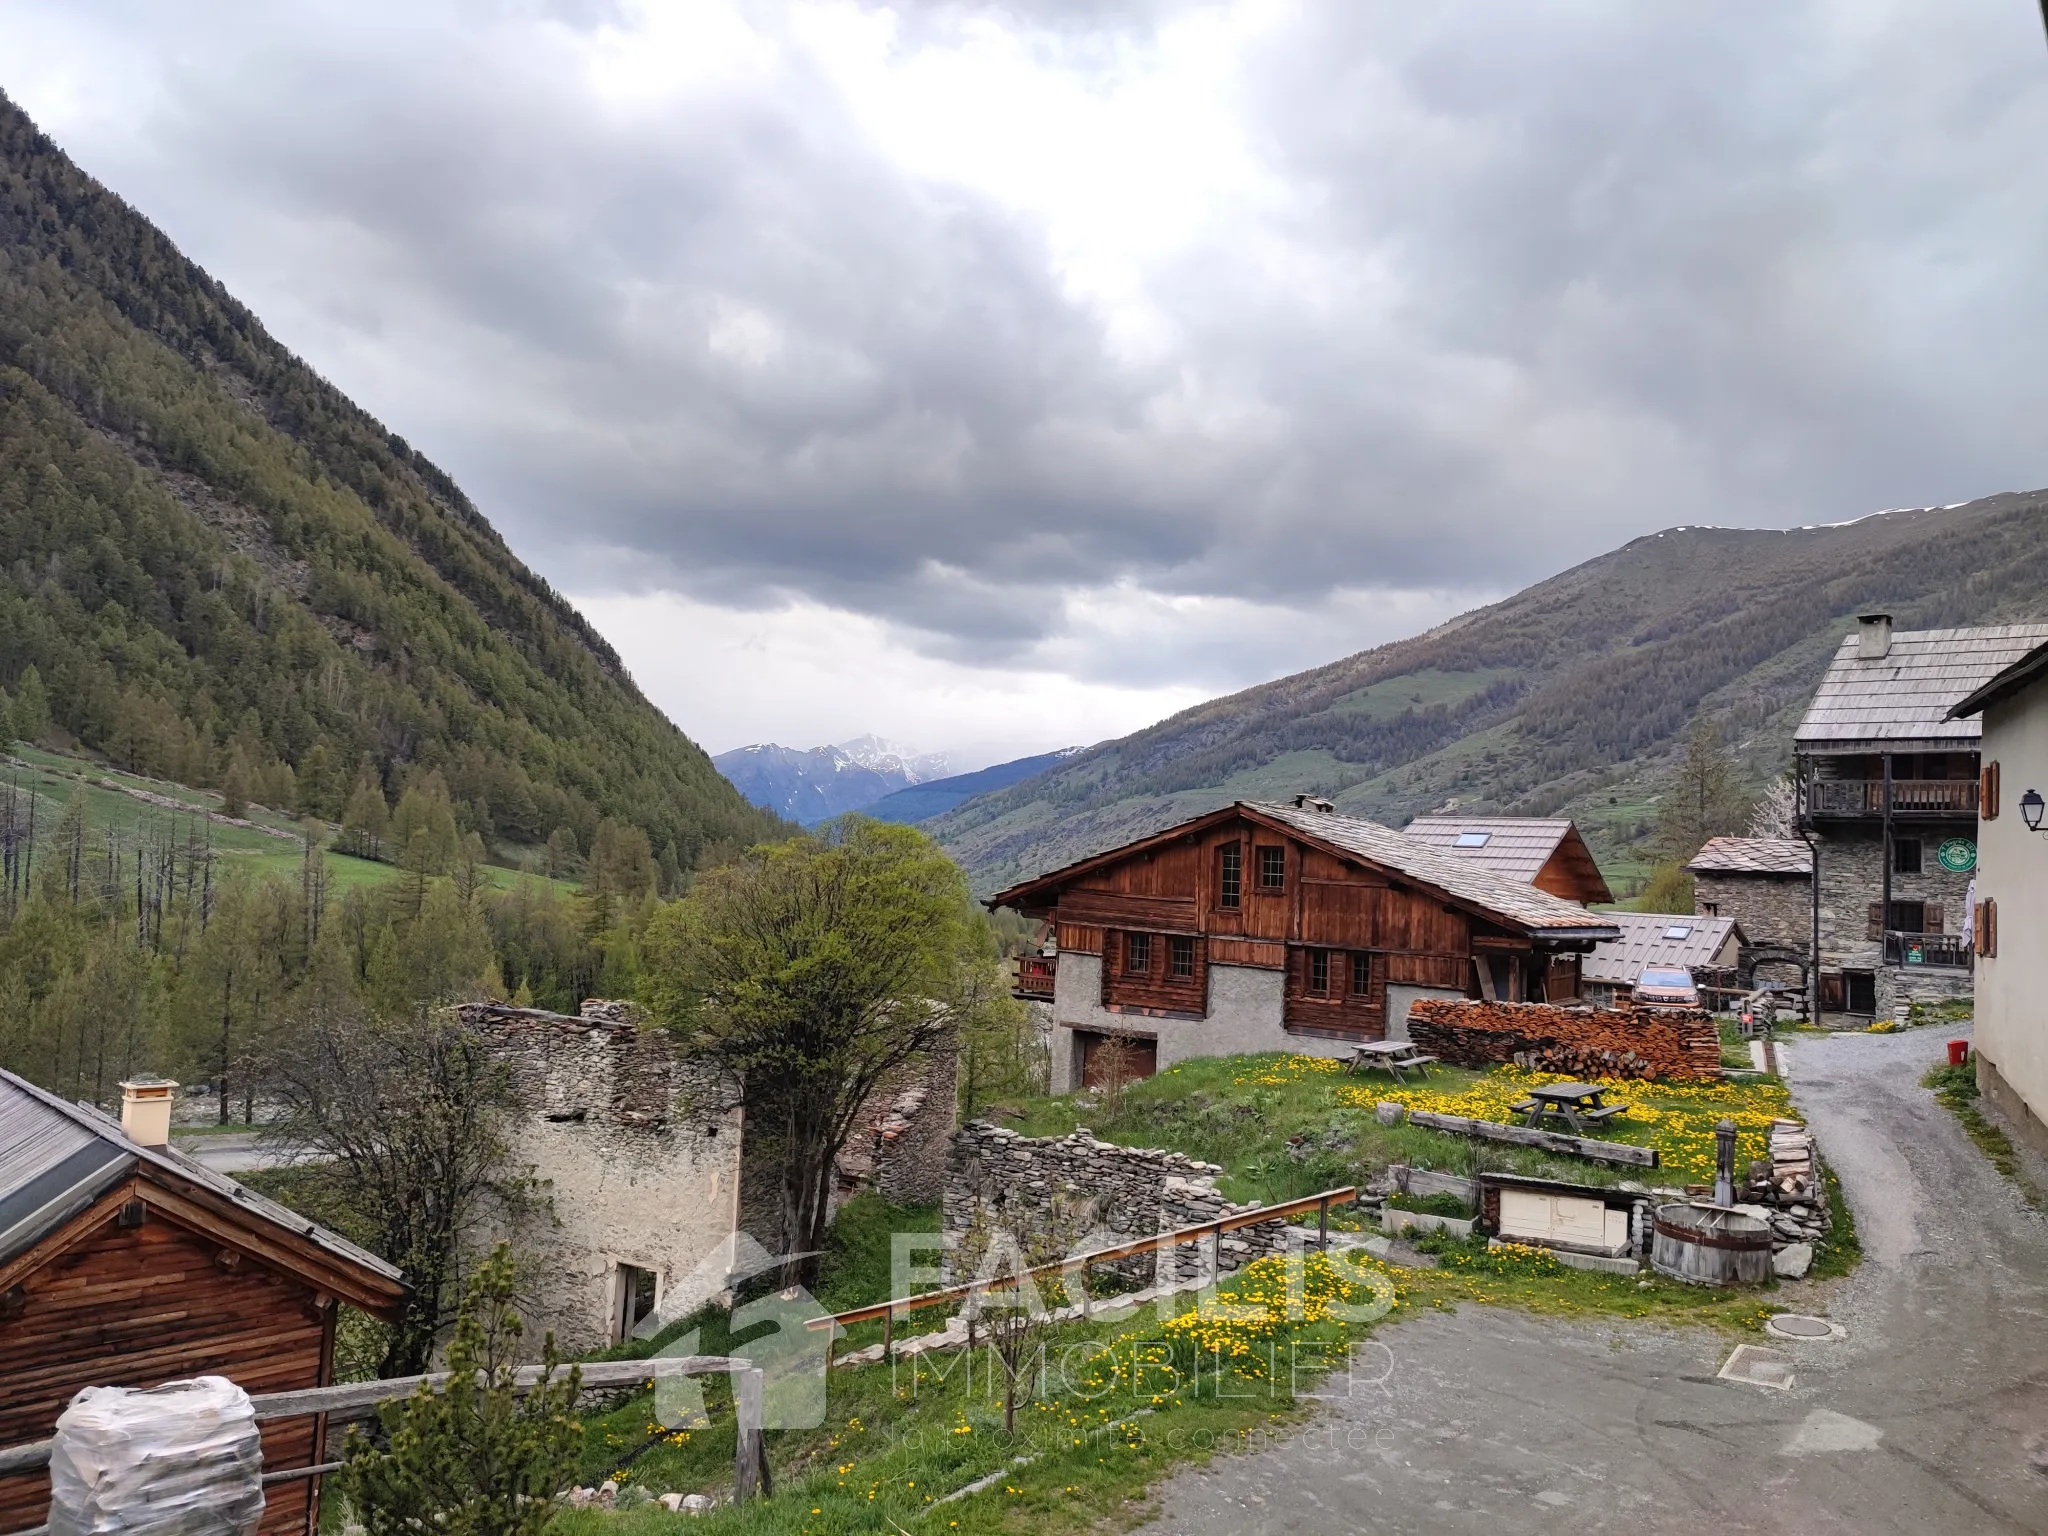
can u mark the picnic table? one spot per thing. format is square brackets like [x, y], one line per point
[1394, 1057]
[1575, 1103]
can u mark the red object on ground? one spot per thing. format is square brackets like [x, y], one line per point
[1958, 1052]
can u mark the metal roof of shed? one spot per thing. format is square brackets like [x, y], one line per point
[1753, 856]
[1901, 701]
[1653, 938]
[57, 1158]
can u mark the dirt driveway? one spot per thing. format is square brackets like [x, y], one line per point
[1931, 1415]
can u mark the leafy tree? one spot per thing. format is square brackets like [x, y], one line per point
[1669, 889]
[319, 785]
[423, 825]
[474, 1457]
[409, 1117]
[811, 971]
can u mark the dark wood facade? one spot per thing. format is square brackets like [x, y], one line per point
[1239, 889]
[156, 1281]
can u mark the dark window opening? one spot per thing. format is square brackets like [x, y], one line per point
[1361, 975]
[1710, 909]
[1909, 917]
[1319, 971]
[1180, 957]
[1230, 882]
[1906, 856]
[1138, 953]
[1272, 868]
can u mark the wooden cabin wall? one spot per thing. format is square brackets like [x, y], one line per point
[1413, 939]
[145, 1305]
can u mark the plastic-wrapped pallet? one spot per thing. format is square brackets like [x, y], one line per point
[183, 1459]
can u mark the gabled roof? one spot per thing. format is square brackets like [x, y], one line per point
[1514, 847]
[1468, 885]
[1753, 856]
[1660, 938]
[56, 1159]
[2027, 669]
[1905, 700]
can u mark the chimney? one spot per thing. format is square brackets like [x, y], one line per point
[146, 1110]
[1311, 803]
[1873, 636]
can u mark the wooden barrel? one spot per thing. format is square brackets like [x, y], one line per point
[1708, 1245]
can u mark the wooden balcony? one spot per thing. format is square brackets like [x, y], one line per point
[1949, 951]
[1034, 978]
[1911, 798]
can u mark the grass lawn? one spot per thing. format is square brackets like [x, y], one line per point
[1283, 1126]
[1956, 1088]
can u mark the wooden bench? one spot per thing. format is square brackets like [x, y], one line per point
[1604, 1112]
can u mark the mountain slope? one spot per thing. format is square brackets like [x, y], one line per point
[921, 802]
[210, 555]
[1567, 698]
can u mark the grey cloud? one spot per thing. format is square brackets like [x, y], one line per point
[1571, 273]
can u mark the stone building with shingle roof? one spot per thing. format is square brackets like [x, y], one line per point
[1888, 793]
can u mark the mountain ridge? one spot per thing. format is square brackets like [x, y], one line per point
[1566, 698]
[216, 560]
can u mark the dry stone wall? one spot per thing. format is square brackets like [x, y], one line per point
[1137, 1191]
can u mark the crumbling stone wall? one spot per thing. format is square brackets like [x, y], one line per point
[1137, 1191]
[1591, 1042]
[635, 1152]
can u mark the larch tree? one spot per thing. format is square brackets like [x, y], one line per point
[812, 970]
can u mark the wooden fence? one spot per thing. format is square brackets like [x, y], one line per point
[360, 1400]
[1077, 1266]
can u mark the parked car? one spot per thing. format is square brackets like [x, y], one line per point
[1666, 986]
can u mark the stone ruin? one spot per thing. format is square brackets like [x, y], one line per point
[1137, 1191]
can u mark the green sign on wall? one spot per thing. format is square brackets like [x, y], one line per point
[1958, 855]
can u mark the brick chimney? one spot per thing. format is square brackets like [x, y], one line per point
[1873, 636]
[146, 1110]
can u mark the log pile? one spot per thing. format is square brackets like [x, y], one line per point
[1585, 1042]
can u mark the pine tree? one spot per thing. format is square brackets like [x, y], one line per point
[367, 818]
[30, 717]
[234, 787]
[474, 1457]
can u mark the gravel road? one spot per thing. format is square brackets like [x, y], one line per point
[1930, 1415]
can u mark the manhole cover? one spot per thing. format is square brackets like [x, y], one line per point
[1797, 1326]
[1758, 1368]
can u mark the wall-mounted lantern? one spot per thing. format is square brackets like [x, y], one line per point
[2031, 806]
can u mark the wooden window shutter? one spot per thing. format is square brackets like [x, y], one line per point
[1987, 793]
[1932, 920]
[1876, 929]
[1987, 930]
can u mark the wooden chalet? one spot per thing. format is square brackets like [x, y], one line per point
[1264, 927]
[125, 1263]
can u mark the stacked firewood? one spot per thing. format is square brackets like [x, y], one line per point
[1586, 1042]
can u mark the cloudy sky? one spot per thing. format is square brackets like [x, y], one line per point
[1000, 376]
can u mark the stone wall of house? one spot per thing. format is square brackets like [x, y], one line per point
[1596, 1042]
[634, 1149]
[904, 1134]
[1852, 880]
[1775, 910]
[1135, 1191]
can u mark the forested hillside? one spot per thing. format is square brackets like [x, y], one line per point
[1570, 697]
[223, 571]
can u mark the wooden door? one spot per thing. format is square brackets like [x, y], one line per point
[1104, 1057]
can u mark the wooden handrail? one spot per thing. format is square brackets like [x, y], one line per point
[1133, 1249]
[359, 1399]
